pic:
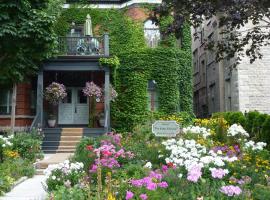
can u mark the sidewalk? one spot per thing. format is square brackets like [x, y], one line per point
[31, 189]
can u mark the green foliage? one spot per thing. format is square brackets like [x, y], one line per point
[168, 65]
[265, 136]
[26, 37]
[250, 119]
[74, 193]
[28, 145]
[11, 170]
[82, 153]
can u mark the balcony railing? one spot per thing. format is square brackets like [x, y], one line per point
[83, 46]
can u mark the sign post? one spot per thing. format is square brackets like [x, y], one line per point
[162, 128]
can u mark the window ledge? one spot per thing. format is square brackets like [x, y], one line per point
[17, 116]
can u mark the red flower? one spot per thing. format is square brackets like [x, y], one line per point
[89, 148]
[170, 164]
[106, 153]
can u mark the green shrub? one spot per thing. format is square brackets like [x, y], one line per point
[73, 193]
[82, 153]
[250, 116]
[265, 136]
[257, 125]
[28, 145]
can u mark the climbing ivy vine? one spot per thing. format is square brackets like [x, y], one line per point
[167, 64]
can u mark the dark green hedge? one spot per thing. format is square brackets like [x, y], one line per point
[168, 65]
[255, 123]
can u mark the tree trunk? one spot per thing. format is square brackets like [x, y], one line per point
[13, 108]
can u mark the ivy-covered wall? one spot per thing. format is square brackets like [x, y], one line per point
[167, 64]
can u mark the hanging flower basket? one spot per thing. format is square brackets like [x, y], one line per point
[94, 93]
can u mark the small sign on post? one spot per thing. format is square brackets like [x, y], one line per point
[162, 128]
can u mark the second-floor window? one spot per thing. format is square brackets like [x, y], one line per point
[151, 34]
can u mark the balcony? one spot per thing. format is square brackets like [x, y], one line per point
[99, 1]
[84, 46]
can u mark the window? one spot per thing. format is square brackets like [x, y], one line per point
[151, 34]
[5, 101]
[152, 96]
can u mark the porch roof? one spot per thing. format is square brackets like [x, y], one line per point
[71, 63]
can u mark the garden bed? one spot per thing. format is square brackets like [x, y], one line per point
[209, 160]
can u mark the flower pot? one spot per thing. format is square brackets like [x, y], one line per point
[51, 123]
[102, 122]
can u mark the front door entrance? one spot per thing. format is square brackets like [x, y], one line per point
[74, 109]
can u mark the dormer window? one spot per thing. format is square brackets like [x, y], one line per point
[151, 34]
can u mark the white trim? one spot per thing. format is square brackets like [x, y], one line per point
[117, 6]
[17, 117]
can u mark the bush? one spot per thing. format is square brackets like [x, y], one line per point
[73, 193]
[257, 125]
[265, 136]
[250, 116]
[28, 145]
[82, 153]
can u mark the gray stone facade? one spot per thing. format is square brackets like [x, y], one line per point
[219, 87]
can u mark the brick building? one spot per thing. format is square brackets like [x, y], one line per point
[72, 69]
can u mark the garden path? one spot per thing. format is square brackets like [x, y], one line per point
[31, 189]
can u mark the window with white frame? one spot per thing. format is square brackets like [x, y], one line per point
[152, 94]
[5, 101]
[151, 34]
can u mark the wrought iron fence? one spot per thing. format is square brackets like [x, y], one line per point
[81, 46]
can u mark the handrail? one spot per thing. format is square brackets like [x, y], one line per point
[35, 122]
[83, 45]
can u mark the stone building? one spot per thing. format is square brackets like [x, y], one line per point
[219, 87]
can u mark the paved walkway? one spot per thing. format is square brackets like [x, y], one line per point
[31, 189]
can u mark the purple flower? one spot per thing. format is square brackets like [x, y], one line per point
[55, 92]
[151, 186]
[143, 196]
[155, 175]
[231, 190]
[137, 183]
[129, 195]
[164, 168]
[163, 184]
[92, 90]
[194, 173]
[218, 173]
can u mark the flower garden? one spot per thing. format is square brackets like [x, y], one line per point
[209, 159]
[17, 155]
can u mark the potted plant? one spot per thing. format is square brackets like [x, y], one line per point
[101, 119]
[51, 120]
[53, 94]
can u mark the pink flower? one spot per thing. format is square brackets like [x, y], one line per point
[151, 186]
[129, 195]
[164, 168]
[143, 196]
[231, 190]
[194, 173]
[163, 184]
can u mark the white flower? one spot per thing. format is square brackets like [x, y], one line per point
[180, 175]
[3, 145]
[197, 130]
[148, 165]
[235, 130]
[254, 146]
[53, 177]
[160, 156]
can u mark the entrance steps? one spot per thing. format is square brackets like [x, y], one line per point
[62, 140]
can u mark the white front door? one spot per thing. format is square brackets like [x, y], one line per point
[74, 109]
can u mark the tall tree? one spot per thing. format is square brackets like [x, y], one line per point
[233, 15]
[26, 37]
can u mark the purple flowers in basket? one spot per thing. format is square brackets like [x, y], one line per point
[55, 92]
[92, 90]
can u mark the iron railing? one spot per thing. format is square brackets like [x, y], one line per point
[83, 46]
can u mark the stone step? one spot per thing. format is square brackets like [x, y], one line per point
[39, 172]
[70, 138]
[68, 143]
[71, 134]
[52, 159]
